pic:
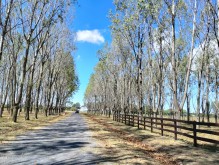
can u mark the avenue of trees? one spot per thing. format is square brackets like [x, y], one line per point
[164, 55]
[37, 69]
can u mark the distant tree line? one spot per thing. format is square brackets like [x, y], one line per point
[76, 106]
[164, 55]
[37, 69]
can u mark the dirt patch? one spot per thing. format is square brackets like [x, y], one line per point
[155, 148]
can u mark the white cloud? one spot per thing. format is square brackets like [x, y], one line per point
[78, 57]
[92, 36]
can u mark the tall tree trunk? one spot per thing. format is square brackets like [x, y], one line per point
[173, 62]
[30, 87]
[23, 76]
[188, 107]
[38, 89]
[2, 98]
[216, 97]
[207, 103]
[4, 101]
[5, 26]
[27, 101]
[190, 56]
[160, 74]
[15, 112]
[199, 94]
[51, 104]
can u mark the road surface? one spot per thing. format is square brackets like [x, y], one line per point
[65, 142]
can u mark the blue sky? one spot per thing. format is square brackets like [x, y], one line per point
[91, 25]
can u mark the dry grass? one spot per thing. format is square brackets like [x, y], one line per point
[180, 151]
[9, 130]
[181, 137]
[209, 136]
[121, 148]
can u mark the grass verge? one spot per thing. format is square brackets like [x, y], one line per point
[9, 130]
[122, 149]
[161, 149]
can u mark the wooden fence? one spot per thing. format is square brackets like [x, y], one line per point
[192, 128]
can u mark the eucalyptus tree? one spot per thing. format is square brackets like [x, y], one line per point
[129, 21]
[213, 12]
[14, 48]
[6, 12]
[66, 83]
[44, 54]
[178, 14]
[5, 74]
[119, 62]
[29, 38]
[126, 59]
[160, 51]
[216, 88]
[89, 95]
[107, 86]
[103, 73]
[202, 60]
[29, 25]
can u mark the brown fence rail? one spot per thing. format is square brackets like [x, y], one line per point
[188, 129]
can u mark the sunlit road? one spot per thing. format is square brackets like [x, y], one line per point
[65, 142]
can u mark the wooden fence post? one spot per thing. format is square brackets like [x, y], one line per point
[144, 122]
[195, 134]
[138, 121]
[175, 129]
[129, 119]
[125, 118]
[151, 124]
[161, 127]
[133, 120]
[117, 116]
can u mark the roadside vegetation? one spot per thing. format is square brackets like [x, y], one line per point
[126, 144]
[9, 130]
[37, 66]
[163, 58]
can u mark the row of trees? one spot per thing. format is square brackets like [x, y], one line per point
[164, 55]
[37, 69]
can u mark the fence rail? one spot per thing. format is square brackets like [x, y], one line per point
[191, 128]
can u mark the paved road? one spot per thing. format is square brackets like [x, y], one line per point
[65, 142]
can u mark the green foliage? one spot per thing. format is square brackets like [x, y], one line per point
[76, 106]
[71, 77]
